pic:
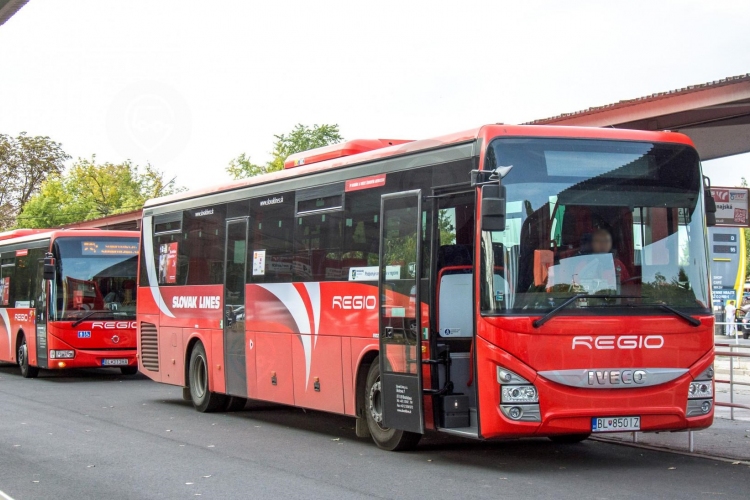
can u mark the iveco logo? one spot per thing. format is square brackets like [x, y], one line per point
[354, 302]
[616, 377]
[115, 339]
[621, 342]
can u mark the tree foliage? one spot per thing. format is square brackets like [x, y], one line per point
[89, 190]
[301, 138]
[25, 163]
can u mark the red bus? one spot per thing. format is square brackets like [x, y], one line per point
[506, 281]
[68, 299]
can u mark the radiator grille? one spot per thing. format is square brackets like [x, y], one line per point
[149, 347]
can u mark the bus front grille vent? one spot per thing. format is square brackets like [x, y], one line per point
[149, 347]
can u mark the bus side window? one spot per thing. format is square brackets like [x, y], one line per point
[360, 244]
[271, 230]
[7, 266]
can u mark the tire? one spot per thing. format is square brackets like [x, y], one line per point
[235, 403]
[203, 399]
[385, 438]
[569, 438]
[129, 370]
[27, 371]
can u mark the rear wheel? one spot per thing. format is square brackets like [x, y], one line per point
[203, 399]
[129, 370]
[385, 438]
[569, 438]
[27, 371]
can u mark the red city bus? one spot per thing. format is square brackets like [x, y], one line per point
[506, 281]
[68, 299]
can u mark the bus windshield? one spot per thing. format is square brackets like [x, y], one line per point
[95, 278]
[618, 224]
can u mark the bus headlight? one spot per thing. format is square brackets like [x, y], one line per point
[519, 394]
[700, 389]
[61, 354]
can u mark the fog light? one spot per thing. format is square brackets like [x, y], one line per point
[61, 364]
[706, 406]
[519, 394]
[515, 413]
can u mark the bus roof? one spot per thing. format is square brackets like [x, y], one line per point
[22, 235]
[367, 150]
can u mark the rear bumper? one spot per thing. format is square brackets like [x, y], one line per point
[570, 410]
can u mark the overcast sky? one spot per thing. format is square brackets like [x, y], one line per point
[188, 85]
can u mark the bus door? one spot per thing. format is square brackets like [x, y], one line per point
[400, 331]
[235, 273]
[41, 314]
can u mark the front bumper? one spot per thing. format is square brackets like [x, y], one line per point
[569, 410]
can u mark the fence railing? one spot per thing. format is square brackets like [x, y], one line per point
[735, 352]
[722, 328]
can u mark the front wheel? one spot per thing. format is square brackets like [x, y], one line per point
[385, 438]
[129, 370]
[27, 371]
[204, 400]
[569, 438]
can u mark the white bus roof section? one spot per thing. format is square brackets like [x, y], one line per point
[715, 115]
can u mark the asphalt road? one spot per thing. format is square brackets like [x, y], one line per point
[96, 434]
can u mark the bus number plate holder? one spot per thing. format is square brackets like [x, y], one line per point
[615, 424]
[114, 362]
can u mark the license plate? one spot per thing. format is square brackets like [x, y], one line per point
[114, 362]
[615, 424]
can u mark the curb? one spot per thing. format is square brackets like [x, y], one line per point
[733, 461]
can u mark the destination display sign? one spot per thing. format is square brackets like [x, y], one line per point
[93, 247]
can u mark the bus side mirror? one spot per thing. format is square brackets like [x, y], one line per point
[493, 207]
[49, 268]
[709, 202]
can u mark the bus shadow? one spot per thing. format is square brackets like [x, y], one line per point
[74, 375]
[511, 455]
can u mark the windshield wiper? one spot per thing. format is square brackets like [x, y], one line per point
[87, 316]
[661, 305]
[539, 322]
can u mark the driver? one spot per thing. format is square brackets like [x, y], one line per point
[601, 242]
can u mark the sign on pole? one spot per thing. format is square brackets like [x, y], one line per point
[731, 206]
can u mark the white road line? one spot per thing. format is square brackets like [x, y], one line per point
[5, 496]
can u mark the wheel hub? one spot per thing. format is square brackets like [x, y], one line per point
[375, 404]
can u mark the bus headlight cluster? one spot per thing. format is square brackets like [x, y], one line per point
[519, 399]
[701, 394]
[61, 354]
[519, 394]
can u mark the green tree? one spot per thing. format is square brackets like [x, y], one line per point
[301, 138]
[89, 190]
[25, 163]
